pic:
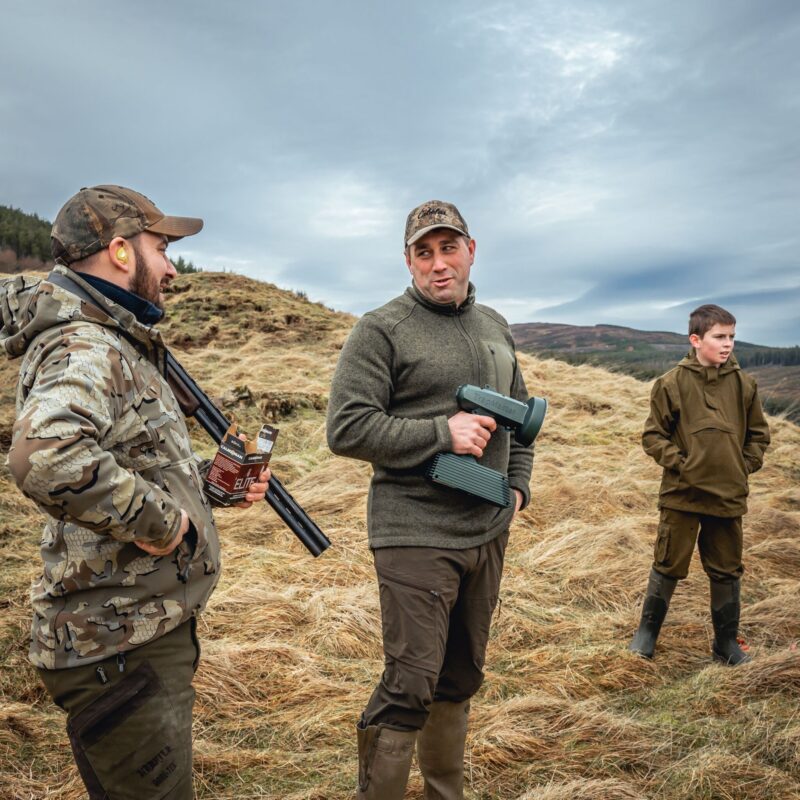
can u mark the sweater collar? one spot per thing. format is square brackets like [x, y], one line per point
[449, 309]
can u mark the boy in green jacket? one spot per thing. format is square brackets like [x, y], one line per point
[707, 430]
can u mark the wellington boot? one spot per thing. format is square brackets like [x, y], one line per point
[440, 750]
[654, 609]
[725, 609]
[384, 761]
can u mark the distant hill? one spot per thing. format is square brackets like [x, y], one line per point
[648, 354]
[24, 241]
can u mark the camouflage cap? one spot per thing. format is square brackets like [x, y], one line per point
[430, 215]
[90, 219]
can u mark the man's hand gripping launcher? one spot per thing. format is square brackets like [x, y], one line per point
[464, 472]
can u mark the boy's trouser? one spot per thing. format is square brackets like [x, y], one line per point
[436, 609]
[719, 542]
[130, 721]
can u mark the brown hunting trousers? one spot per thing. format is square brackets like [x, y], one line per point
[719, 542]
[130, 718]
[436, 610]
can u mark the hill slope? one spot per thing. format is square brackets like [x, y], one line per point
[291, 644]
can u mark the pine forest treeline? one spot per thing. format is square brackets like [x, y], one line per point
[27, 235]
[764, 356]
[650, 364]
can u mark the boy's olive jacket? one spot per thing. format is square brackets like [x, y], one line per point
[101, 446]
[707, 430]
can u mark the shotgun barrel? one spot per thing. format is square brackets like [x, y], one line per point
[196, 403]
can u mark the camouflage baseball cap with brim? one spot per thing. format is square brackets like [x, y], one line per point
[93, 217]
[431, 215]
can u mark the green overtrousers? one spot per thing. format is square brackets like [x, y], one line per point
[129, 718]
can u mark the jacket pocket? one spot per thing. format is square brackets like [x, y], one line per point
[714, 463]
[414, 623]
[183, 483]
[662, 548]
[150, 433]
[503, 363]
[133, 445]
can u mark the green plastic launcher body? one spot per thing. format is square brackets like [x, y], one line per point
[464, 472]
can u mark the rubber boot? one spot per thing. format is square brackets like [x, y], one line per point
[654, 609]
[440, 750]
[725, 609]
[384, 761]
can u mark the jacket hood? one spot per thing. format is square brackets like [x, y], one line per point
[689, 361]
[30, 306]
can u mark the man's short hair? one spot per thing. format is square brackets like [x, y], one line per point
[704, 318]
[89, 220]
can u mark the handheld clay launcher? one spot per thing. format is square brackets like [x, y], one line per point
[525, 419]
[463, 472]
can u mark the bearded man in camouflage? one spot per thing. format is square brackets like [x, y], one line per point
[100, 444]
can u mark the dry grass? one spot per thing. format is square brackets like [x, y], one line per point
[291, 645]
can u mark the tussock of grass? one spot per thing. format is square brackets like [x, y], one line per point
[712, 774]
[585, 790]
[776, 673]
[291, 644]
[555, 734]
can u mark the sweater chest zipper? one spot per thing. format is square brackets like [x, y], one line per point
[474, 348]
[496, 371]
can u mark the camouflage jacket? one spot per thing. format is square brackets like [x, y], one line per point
[101, 446]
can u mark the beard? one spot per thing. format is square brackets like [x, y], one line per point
[143, 282]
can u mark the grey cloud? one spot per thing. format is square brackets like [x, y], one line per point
[613, 160]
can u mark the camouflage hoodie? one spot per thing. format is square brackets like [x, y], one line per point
[101, 446]
[707, 430]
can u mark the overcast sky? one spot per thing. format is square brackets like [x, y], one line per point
[617, 162]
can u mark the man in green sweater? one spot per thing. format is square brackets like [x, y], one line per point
[438, 551]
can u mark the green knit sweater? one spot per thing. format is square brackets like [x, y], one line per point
[392, 394]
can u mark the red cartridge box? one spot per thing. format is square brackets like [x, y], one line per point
[237, 464]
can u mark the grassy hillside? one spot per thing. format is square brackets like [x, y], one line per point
[648, 354]
[291, 644]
